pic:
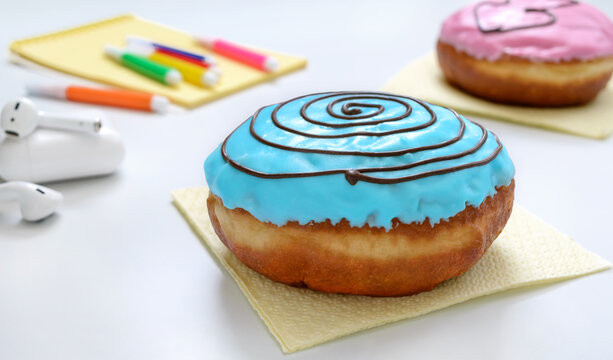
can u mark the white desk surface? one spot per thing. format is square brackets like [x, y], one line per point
[118, 274]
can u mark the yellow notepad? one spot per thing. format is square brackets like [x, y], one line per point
[79, 51]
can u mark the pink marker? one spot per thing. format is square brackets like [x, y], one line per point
[239, 53]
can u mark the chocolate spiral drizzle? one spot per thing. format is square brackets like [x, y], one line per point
[544, 10]
[353, 111]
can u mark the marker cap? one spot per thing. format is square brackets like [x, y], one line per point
[173, 77]
[53, 91]
[271, 64]
[159, 103]
[209, 78]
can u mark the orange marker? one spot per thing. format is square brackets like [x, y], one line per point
[111, 97]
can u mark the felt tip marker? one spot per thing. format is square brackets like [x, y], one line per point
[239, 53]
[144, 66]
[211, 67]
[191, 73]
[111, 97]
[209, 63]
[135, 40]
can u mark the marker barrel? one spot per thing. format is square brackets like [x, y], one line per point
[138, 41]
[121, 98]
[241, 54]
[149, 68]
[184, 58]
[111, 97]
[191, 73]
[183, 53]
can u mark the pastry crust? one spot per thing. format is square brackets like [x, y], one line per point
[407, 259]
[520, 81]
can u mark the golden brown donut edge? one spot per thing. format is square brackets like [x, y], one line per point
[408, 259]
[517, 81]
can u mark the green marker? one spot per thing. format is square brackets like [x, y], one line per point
[142, 65]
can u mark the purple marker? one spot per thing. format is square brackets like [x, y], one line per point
[135, 40]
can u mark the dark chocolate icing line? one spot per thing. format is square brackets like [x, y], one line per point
[472, 150]
[354, 175]
[304, 108]
[359, 153]
[352, 112]
[352, 108]
[501, 29]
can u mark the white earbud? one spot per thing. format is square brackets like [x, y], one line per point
[36, 202]
[20, 118]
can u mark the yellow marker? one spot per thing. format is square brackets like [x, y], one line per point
[193, 74]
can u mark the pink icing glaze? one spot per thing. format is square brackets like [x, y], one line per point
[579, 32]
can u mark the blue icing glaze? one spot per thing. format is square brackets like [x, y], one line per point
[426, 188]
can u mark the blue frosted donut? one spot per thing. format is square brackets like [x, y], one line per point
[365, 157]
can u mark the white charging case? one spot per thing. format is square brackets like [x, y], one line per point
[49, 155]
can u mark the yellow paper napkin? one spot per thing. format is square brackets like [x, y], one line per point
[423, 79]
[79, 51]
[527, 252]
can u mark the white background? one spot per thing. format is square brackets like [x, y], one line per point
[118, 274]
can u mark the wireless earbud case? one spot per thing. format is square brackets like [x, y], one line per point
[52, 155]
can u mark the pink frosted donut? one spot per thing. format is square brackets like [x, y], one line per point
[538, 48]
